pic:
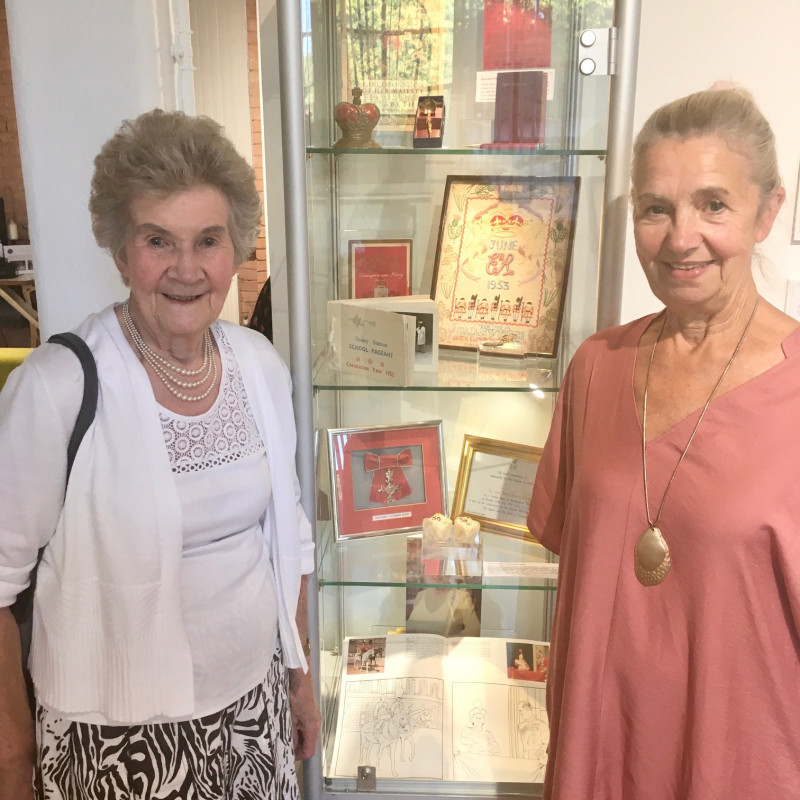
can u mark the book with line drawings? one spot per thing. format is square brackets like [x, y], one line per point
[422, 706]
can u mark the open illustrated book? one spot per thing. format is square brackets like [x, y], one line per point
[423, 706]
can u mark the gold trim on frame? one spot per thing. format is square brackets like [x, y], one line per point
[510, 450]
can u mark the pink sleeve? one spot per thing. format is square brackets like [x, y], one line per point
[553, 477]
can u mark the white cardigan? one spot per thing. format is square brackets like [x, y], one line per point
[108, 633]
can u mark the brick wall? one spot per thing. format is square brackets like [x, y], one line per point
[253, 274]
[12, 189]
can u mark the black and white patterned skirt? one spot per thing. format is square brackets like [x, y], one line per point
[243, 752]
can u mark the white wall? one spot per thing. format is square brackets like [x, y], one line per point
[273, 174]
[221, 85]
[686, 45]
[79, 68]
[219, 52]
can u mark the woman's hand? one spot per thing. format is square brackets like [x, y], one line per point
[17, 738]
[306, 718]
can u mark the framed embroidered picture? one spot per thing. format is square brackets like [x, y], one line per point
[379, 267]
[502, 260]
[495, 483]
[386, 479]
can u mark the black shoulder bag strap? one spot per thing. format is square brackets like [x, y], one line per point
[89, 402]
[23, 606]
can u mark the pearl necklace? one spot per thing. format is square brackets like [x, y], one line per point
[652, 558]
[162, 367]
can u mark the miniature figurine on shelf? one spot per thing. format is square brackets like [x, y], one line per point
[357, 122]
[451, 547]
[429, 121]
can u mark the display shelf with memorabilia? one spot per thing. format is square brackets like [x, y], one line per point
[484, 236]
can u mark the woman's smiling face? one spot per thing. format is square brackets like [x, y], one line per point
[179, 263]
[697, 216]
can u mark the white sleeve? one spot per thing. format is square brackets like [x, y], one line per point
[38, 407]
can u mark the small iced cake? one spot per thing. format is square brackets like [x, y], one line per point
[465, 530]
[437, 528]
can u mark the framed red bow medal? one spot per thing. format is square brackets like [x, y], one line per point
[386, 479]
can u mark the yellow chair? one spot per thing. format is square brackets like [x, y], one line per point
[11, 357]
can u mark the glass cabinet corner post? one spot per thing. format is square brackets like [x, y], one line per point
[338, 195]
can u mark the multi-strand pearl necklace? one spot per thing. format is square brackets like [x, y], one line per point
[164, 369]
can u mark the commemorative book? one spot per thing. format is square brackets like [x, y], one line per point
[370, 342]
[426, 331]
[422, 706]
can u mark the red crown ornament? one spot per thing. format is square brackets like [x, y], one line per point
[357, 122]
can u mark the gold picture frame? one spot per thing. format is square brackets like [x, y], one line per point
[502, 260]
[494, 484]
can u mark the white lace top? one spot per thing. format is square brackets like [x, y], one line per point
[228, 598]
[228, 587]
[224, 434]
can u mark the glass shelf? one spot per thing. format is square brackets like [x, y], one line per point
[475, 150]
[382, 561]
[539, 376]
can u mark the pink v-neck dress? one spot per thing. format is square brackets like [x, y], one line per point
[689, 690]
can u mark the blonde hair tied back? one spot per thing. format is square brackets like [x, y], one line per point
[725, 110]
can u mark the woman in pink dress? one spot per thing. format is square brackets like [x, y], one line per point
[668, 487]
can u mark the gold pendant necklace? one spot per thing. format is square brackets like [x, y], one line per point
[652, 558]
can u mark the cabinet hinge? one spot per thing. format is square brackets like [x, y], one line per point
[597, 51]
[612, 51]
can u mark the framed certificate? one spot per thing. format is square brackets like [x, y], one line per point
[494, 484]
[379, 268]
[502, 261]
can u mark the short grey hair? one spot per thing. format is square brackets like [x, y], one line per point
[162, 152]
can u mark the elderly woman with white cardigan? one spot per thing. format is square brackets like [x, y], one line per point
[169, 627]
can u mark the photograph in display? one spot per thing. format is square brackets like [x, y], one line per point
[494, 484]
[379, 267]
[366, 656]
[527, 662]
[502, 260]
[442, 709]
[386, 479]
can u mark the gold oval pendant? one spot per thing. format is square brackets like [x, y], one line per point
[653, 562]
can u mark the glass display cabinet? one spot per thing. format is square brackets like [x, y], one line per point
[451, 206]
